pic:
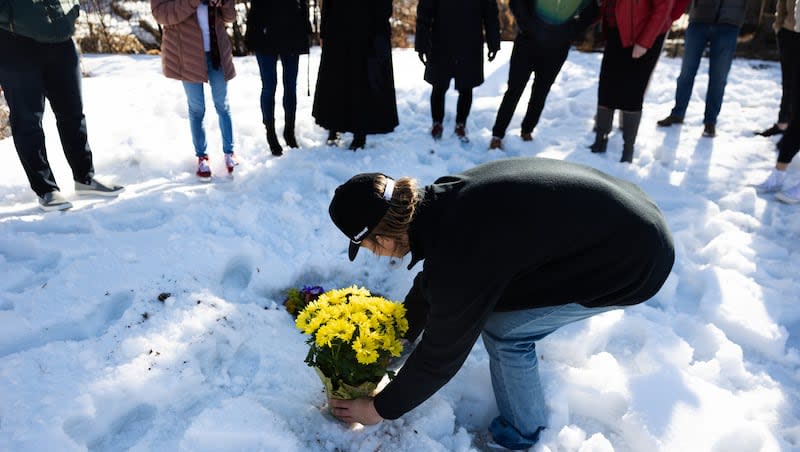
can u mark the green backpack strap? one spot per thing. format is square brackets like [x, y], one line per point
[46, 21]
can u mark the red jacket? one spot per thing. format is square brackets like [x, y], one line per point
[641, 21]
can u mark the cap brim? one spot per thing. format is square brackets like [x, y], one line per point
[354, 247]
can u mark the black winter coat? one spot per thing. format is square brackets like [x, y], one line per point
[729, 12]
[516, 234]
[355, 85]
[535, 32]
[451, 34]
[278, 27]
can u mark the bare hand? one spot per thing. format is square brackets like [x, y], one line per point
[361, 410]
[638, 51]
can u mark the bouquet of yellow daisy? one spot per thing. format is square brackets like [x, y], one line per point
[354, 334]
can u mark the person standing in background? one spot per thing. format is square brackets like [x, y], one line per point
[635, 31]
[195, 49]
[278, 29]
[38, 61]
[355, 86]
[546, 30]
[789, 145]
[449, 40]
[789, 50]
[715, 23]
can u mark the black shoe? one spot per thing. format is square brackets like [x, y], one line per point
[359, 141]
[774, 130]
[526, 136]
[333, 138]
[670, 120]
[709, 131]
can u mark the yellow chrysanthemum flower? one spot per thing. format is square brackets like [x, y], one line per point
[365, 356]
[395, 348]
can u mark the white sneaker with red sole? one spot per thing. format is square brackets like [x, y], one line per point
[231, 162]
[203, 170]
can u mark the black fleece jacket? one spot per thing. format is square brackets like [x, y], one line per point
[516, 234]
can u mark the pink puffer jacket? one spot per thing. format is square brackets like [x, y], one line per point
[182, 53]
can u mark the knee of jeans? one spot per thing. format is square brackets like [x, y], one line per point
[503, 348]
[222, 106]
[196, 110]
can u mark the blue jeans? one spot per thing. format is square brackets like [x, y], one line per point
[721, 39]
[510, 339]
[267, 65]
[197, 109]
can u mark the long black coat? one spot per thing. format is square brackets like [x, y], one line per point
[451, 34]
[355, 85]
[278, 27]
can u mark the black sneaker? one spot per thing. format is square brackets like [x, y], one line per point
[670, 120]
[53, 201]
[774, 130]
[709, 131]
[97, 188]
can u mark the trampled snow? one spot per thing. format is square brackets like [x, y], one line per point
[90, 359]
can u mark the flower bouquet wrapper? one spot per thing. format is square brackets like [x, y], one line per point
[345, 391]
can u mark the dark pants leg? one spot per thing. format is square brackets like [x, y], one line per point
[529, 57]
[53, 73]
[463, 106]
[437, 101]
[696, 38]
[546, 69]
[789, 48]
[267, 67]
[790, 142]
[722, 45]
[519, 71]
[290, 64]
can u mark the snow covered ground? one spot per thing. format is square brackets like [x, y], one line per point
[91, 359]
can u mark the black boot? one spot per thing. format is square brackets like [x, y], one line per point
[630, 128]
[602, 127]
[359, 141]
[288, 133]
[272, 140]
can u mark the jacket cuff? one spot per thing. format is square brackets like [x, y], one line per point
[383, 411]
